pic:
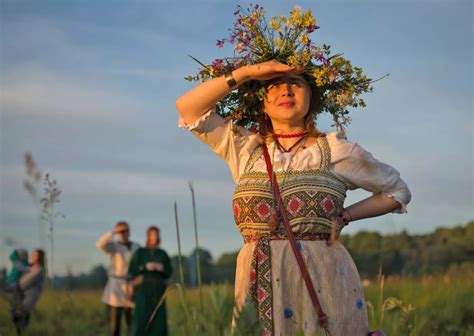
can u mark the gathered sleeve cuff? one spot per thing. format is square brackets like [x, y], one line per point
[359, 169]
[230, 142]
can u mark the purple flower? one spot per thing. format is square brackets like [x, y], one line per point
[217, 63]
[288, 313]
[311, 28]
[220, 43]
[321, 58]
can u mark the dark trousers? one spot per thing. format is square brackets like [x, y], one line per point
[113, 316]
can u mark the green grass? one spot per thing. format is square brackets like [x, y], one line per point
[442, 306]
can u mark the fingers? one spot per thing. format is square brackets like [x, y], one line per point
[270, 69]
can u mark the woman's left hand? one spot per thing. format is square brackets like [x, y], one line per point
[342, 219]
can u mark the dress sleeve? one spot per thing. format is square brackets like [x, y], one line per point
[230, 142]
[359, 169]
[167, 269]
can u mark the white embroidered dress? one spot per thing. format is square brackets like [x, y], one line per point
[334, 161]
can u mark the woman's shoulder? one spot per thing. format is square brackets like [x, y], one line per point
[163, 252]
[341, 147]
[140, 250]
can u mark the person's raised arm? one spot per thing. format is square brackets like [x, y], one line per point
[196, 102]
[106, 243]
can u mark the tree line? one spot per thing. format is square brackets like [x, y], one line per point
[444, 250]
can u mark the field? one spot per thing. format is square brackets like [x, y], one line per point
[399, 306]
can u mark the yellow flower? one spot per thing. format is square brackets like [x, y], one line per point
[274, 24]
[304, 39]
[280, 43]
[308, 18]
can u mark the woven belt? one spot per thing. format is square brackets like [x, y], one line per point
[124, 277]
[282, 236]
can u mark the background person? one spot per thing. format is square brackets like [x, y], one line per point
[30, 287]
[116, 298]
[150, 268]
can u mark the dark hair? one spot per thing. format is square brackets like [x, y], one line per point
[41, 256]
[122, 223]
[266, 128]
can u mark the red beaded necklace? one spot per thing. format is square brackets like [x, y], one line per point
[291, 135]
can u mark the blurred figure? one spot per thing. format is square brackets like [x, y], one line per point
[19, 259]
[29, 289]
[116, 296]
[149, 269]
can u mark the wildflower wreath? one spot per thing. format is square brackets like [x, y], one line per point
[287, 40]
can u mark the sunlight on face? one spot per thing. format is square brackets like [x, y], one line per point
[152, 237]
[35, 257]
[287, 98]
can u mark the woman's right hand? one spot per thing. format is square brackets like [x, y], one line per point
[267, 70]
[194, 103]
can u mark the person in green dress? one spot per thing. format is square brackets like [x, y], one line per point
[149, 269]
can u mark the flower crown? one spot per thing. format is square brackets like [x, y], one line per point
[285, 39]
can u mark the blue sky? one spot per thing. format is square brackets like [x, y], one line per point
[89, 88]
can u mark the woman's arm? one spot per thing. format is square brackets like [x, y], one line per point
[31, 278]
[194, 103]
[372, 206]
[359, 169]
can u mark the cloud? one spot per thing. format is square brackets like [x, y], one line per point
[109, 184]
[41, 94]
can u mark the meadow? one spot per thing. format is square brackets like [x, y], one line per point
[430, 305]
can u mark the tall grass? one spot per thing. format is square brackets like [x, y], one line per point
[442, 305]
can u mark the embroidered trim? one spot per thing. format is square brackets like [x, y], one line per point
[260, 283]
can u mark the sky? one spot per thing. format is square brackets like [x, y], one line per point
[89, 88]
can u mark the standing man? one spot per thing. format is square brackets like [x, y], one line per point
[116, 291]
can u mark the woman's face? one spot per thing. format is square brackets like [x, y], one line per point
[153, 237]
[34, 257]
[287, 98]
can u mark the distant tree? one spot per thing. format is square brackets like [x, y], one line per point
[206, 266]
[186, 270]
[98, 277]
[228, 259]
[69, 280]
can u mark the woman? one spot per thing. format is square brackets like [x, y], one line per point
[313, 170]
[30, 288]
[149, 268]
